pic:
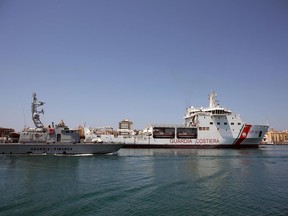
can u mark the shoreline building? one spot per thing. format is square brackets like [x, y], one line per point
[276, 137]
[125, 127]
[5, 134]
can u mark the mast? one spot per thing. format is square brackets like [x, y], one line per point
[212, 100]
[35, 112]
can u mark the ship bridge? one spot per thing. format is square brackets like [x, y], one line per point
[214, 109]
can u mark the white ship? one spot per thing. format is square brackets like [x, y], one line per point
[58, 139]
[212, 127]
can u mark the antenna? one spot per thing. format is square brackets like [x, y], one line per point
[25, 125]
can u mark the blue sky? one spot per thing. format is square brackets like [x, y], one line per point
[101, 61]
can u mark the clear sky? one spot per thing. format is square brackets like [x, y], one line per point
[101, 61]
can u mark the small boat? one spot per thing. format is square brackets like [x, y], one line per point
[58, 139]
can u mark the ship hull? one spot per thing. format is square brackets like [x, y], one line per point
[208, 140]
[171, 146]
[59, 148]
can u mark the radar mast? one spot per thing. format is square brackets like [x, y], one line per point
[35, 112]
[212, 100]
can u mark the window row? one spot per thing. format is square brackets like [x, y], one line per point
[225, 123]
[203, 128]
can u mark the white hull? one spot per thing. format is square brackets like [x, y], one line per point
[249, 136]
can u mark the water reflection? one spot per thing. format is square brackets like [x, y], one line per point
[187, 152]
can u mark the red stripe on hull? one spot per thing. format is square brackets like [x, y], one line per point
[243, 134]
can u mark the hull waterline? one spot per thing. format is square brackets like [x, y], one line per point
[36, 148]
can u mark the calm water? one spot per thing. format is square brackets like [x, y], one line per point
[147, 182]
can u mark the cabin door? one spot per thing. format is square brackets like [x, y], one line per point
[58, 137]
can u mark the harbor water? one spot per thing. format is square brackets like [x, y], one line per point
[147, 182]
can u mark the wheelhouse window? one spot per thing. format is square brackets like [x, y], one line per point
[220, 112]
[204, 128]
[164, 132]
[188, 133]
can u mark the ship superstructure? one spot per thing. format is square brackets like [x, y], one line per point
[59, 133]
[221, 123]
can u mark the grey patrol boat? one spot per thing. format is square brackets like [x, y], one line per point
[58, 139]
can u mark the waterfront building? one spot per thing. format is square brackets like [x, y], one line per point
[125, 127]
[276, 137]
[4, 134]
[125, 124]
